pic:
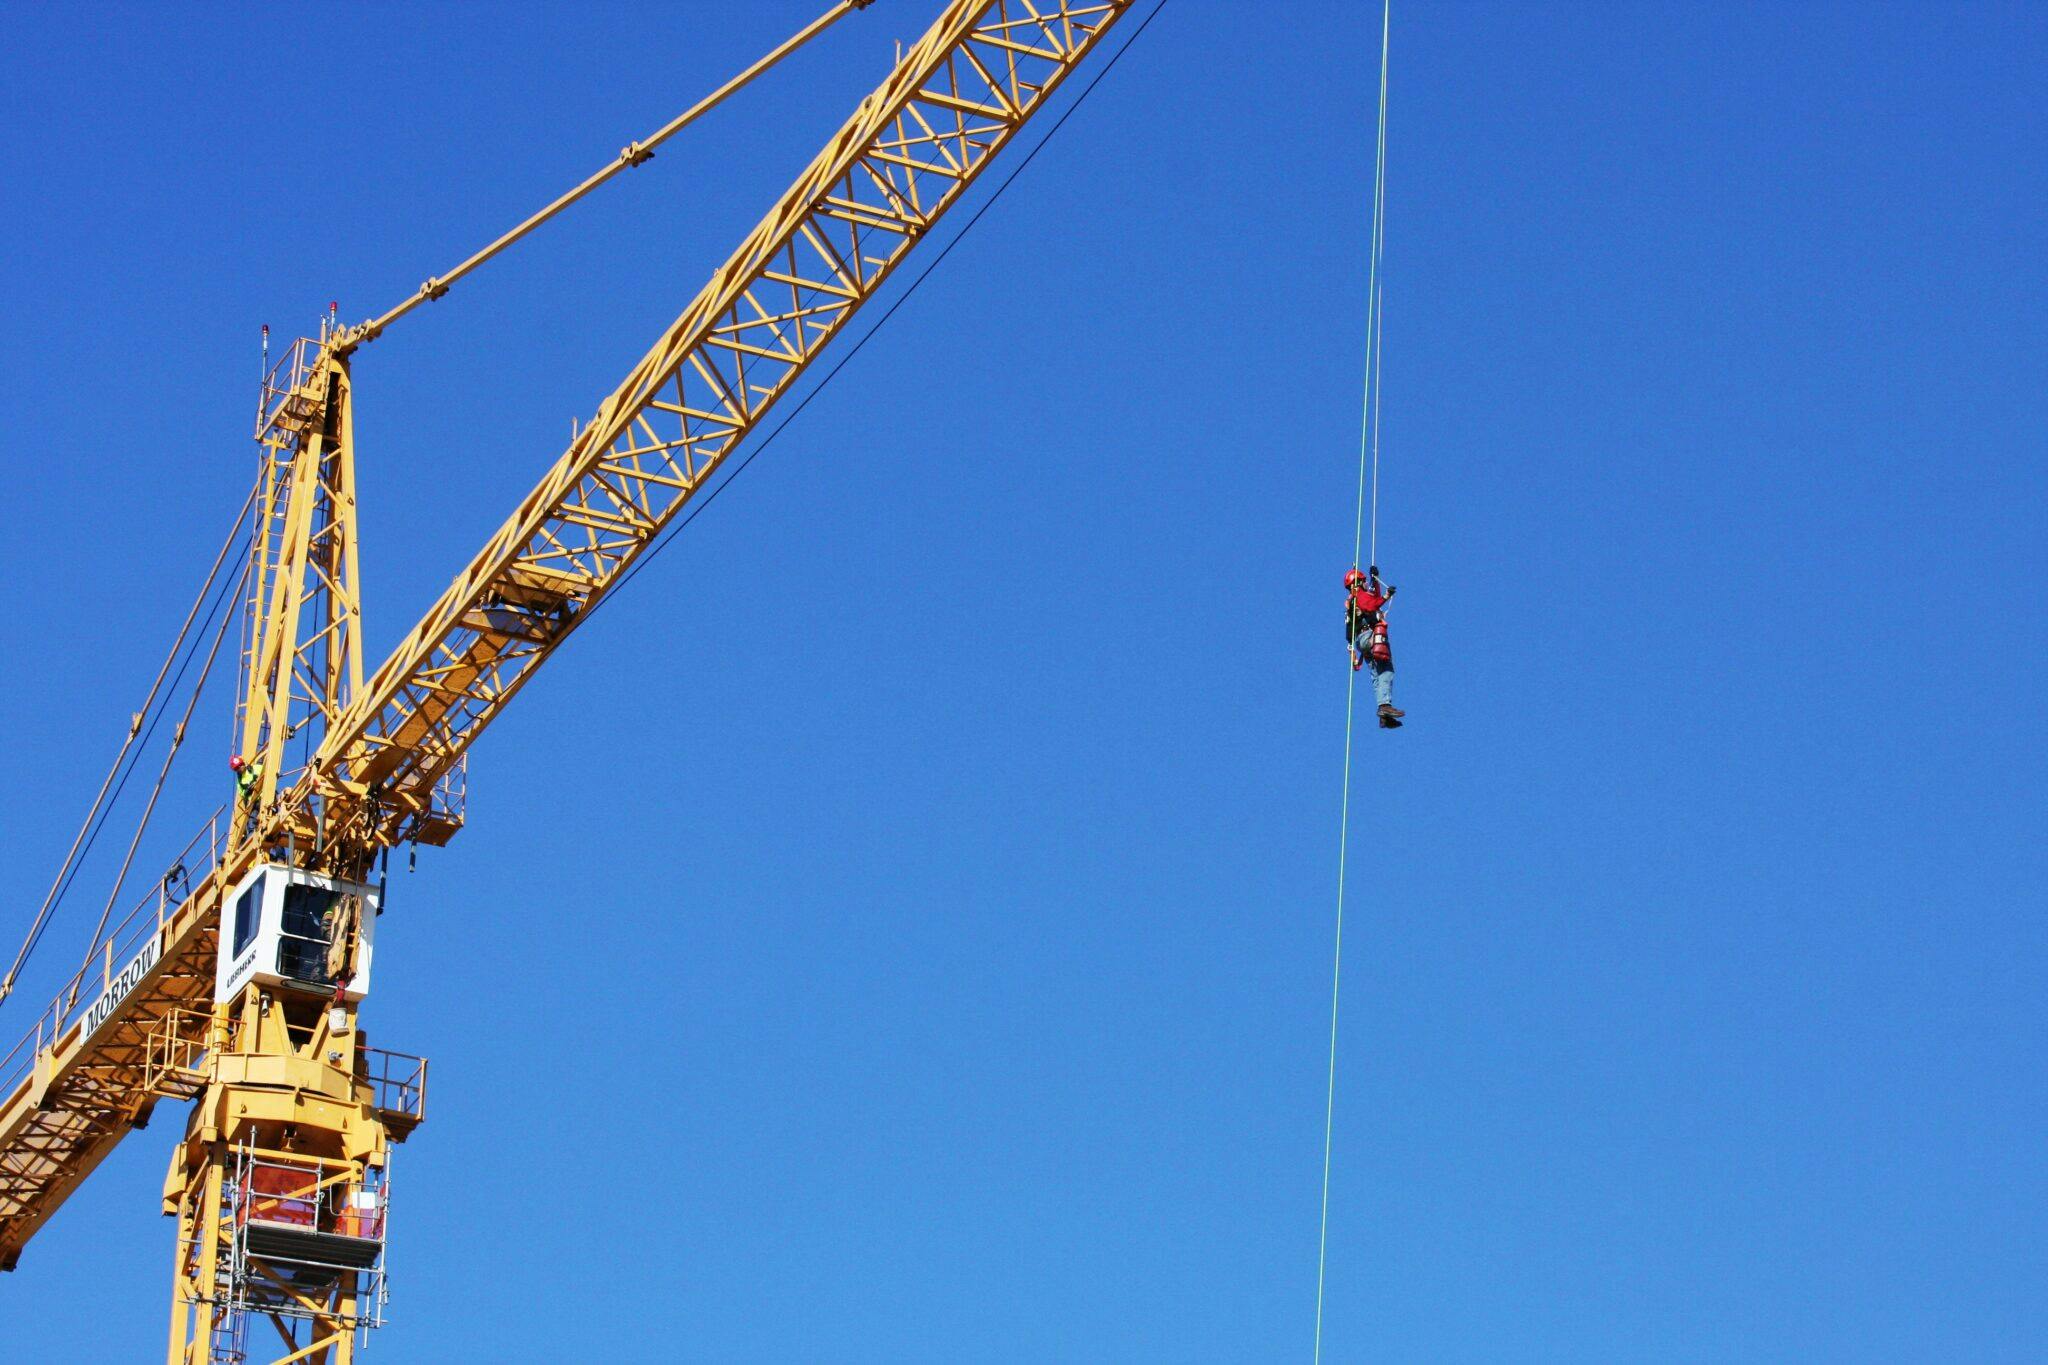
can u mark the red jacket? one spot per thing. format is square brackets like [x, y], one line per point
[1366, 600]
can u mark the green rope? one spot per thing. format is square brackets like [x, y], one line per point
[1368, 457]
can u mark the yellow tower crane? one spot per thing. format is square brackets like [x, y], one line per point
[238, 983]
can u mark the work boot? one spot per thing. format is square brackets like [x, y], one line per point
[1394, 711]
[1389, 718]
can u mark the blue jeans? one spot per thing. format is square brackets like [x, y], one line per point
[1382, 681]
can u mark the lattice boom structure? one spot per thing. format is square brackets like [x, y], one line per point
[878, 187]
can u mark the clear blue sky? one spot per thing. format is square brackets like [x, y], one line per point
[898, 928]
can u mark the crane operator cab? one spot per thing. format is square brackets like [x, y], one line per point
[297, 930]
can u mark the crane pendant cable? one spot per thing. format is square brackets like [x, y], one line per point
[1368, 481]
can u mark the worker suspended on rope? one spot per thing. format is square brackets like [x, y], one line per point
[1365, 627]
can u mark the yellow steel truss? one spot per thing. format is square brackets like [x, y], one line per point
[350, 767]
[872, 194]
[303, 656]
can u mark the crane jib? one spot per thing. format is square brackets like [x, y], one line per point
[877, 188]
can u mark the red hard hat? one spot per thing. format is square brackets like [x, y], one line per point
[235, 764]
[1354, 579]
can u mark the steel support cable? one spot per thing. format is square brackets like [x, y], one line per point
[177, 741]
[739, 466]
[88, 829]
[1368, 442]
[631, 155]
[64, 888]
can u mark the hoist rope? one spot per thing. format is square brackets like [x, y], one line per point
[1379, 337]
[1375, 309]
[1368, 448]
[142, 725]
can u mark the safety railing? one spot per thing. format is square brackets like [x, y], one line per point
[319, 1196]
[398, 1083]
[173, 1060]
[121, 949]
[451, 795]
[299, 1225]
[283, 403]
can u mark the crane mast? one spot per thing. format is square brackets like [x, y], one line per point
[302, 660]
[281, 1182]
[238, 984]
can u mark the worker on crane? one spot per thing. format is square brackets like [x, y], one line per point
[248, 777]
[1365, 627]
